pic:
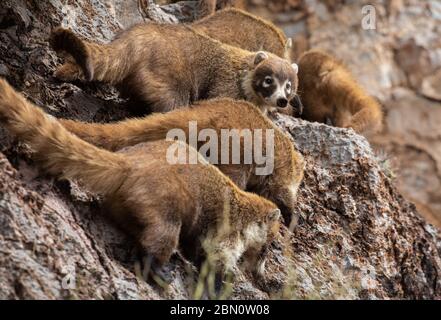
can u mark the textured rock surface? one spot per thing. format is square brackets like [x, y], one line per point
[356, 236]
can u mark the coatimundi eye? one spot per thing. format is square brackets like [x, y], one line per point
[268, 81]
[288, 86]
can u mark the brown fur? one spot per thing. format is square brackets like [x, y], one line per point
[280, 187]
[169, 66]
[246, 31]
[330, 93]
[157, 202]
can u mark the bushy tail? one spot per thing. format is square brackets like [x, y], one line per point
[60, 152]
[102, 62]
[115, 136]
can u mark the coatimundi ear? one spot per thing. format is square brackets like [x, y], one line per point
[260, 56]
[295, 66]
[274, 215]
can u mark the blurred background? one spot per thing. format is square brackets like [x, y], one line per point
[398, 62]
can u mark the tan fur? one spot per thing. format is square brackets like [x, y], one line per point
[157, 202]
[166, 66]
[330, 93]
[244, 30]
[280, 187]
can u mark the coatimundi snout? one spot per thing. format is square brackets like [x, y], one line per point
[158, 203]
[280, 185]
[171, 66]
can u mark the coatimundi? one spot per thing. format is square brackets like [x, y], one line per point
[280, 186]
[158, 203]
[317, 92]
[246, 31]
[170, 66]
[331, 95]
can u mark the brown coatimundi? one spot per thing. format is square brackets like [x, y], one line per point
[332, 95]
[157, 202]
[317, 92]
[246, 31]
[170, 66]
[280, 185]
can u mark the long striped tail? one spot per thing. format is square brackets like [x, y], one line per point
[115, 136]
[60, 152]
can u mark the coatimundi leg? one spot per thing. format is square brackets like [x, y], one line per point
[107, 63]
[101, 62]
[69, 71]
[157, 94]
[206, 7]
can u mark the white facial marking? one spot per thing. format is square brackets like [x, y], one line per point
[267, 82]
[232, 254]
[278, 93]
[295, 67]
[288, 87]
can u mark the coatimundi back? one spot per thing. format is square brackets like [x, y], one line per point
[159, 203]
[170, 66]
[246, 31]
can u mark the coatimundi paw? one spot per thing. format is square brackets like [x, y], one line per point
[159, 273]
[68, 72]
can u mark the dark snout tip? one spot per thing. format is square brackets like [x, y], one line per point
[297, 104]
[282, 103]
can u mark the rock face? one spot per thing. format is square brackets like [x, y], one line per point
[356, 236]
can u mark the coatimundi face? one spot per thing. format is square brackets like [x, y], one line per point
[258, 237]
[274, 80]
